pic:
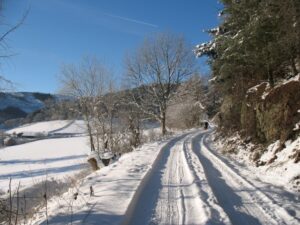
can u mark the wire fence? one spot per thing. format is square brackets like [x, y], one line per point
[22, 206]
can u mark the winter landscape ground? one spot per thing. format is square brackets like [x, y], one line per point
[183, 179]
[125, 113]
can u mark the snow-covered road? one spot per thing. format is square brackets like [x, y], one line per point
[180, 181]
[243, 202]
[189, 184]
[175, 191]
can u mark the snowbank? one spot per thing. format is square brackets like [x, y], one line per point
[113, 186]
[274, 166]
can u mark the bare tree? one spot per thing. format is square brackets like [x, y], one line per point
[187, 108]
[105, 113]
[4, 47]
[87, 82]
[155, 70]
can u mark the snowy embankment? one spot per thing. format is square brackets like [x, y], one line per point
[276, 167]
[33, 162]
[114, 186]
[276, 179]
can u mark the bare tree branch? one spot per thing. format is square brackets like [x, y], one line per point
[156, 70]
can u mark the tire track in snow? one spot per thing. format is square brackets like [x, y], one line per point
[243, 202]
[170, 192]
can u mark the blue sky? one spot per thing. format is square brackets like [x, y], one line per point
[62, 31]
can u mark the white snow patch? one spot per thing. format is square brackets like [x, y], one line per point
[30, 163]
[55, 126]
[270, 153]
[280, 172]
[114, 187]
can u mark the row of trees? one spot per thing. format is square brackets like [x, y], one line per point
[156, 76]
[256, 41]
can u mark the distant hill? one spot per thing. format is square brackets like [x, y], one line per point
[14, 105]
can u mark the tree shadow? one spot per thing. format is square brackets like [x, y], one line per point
[90, 217]
[143, 204]
[43, 171]
[227, 198]
[41, 161]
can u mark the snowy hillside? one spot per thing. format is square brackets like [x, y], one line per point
[19, 104]
[26, 102]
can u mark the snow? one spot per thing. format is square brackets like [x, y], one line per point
[253, 89]
[297, 126]
[57, 158]
[114, 187]
[247, 200]
[73, 127]
[295, 78]
[181, 180]
[212, 80]
[42, 127]
[200, 105]
[283, 168]
[283, 82]
[53, 127]
[276, 178]
[175, 190]
[280, 172]
[271, 151]
[30, 163]
[178, 181]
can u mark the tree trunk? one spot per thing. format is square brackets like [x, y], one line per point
[271, 78]
[90, 136]
[163, 123]
[294, 68]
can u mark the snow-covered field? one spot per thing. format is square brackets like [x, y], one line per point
[52, 127]
[30, 163]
